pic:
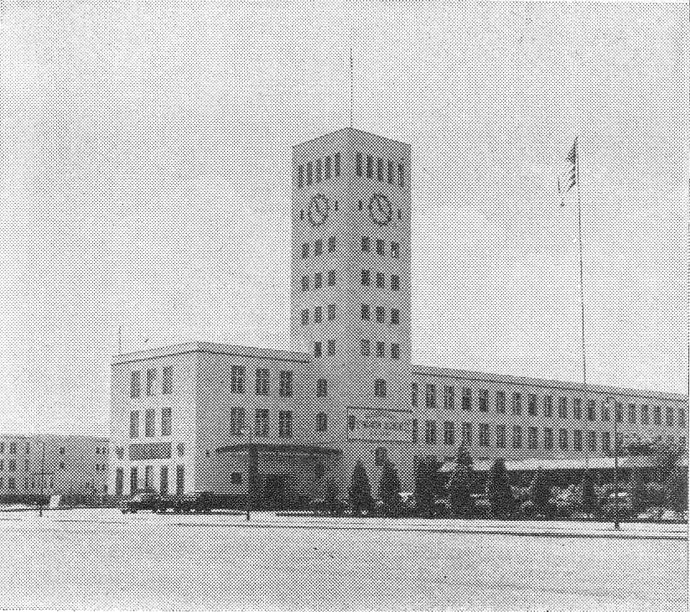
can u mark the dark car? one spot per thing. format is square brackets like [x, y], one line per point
[140, 501]
[195, 502]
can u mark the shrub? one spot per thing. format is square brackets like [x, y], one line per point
[677, 489]
[389, 489]
[540, 494]
[498, 491]
[459, 492]
[330, 501]
[588, 498]
[427, 486]
[360, 491]
[638, 492]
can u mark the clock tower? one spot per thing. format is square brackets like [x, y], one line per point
[351, 295]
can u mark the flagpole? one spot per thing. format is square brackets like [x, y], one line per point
[582, 297]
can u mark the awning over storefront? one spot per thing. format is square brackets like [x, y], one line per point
[288, 449]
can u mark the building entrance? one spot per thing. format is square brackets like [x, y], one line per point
[274, 491]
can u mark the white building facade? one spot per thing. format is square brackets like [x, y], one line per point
[185, 417]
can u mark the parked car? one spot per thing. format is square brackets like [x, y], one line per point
[199, 502]
[140, 501]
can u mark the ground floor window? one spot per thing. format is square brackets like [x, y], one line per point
[380, 455]
[134, 480]
[180, 480]
[119, 478]
[285, 424]
[164, 480]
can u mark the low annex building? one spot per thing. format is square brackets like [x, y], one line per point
[189, 417]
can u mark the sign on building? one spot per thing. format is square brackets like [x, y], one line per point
[378, 425]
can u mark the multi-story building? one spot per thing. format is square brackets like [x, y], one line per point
[68, 464]
[186, 417]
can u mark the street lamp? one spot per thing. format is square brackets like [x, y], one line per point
[247, 430]
[610, 402]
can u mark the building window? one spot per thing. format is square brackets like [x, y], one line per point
[305, 317]
[483, 434]
[415, 394]
[321, 387]
[358, 164]
[321, 421]
[592, 440]
[331, 244]
[532, 437]
[365, 347]
[644, 414]
[134, 424]
[300, 177]
[318, 171]
[331, 278]
[327, 168]
[562, 407]
[366, 244]
[591, 410]
[500, 402]
[179, 480]
[395, 283]
[380, 387]
[236, 421]
[330, 347]
[430, 432]
[577, 440]
[309, 173]
[449, 397]
[365, 312]
[380, 247]
[318, 280]
[619, 412]
[669, 416]
[517, 436]
[366, 278]
[500, 436]
[317, 349]
[632, 414]
[167, 380]
[577, 408]
[151, 381]
[395, 351]
[548, 406]
[13, 449]
[305, 283]
[318, 314]
[318, 247]
[166, 422]
[517, 403]
[395, 250]
[563, 439]
[466, 398]
[305, 250]
[380, 280]
[415, 431]
[380, 349]
[657, 415]
[431, 396]
[380, 314]
[449, 433]
[164, 480]
[237, 379]
[606, 442]
[390, 172]
[483, 400]
[336, 164]
[134, 480]
[331, 312]
[467, 434]
[285, 424]
[261, 422]
[532, 404]
[605, 416]
[262, 380]
[401, 175]
[395, 316]
[370, 166]
[548, 438]
[681, 417]
[380, 456]
[285, 389]
[148, 477]
[135, 384]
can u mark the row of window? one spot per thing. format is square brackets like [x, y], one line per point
[12, 465]
[151, 382]
[380, 279]
[565, 437]
[318, 280]
[135, 481]
[380, 314]
[318, 314]
[330, 348]
[261, 422]
[565, 407]
[12, 448]
[150, 423]
[384, 170]
[318, 247]
[380, 247]
[238, 380]
[319, 170]
[380, 349]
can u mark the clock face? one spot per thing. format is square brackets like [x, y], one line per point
[380, 209]
[318, 210]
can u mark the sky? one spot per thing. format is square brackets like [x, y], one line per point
[146, 151]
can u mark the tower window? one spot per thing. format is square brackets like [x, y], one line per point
[431, 396]
[430, 432]
[321, 421]
[365, 347]
[366, 244]
[380, 280]
[415, 394]
[379, 169]
[309, 173]
[327, 168]
[331, 347]
[366, 278]
[370, 166]
[262, 381]
[285, 388]
[331, 278]
[337, 164]
[395, 283]
[318, 314]
[331, 244]
[318, 170]
[380, 247]
[317, 349]
[380, 349]
[305, 250]
[358, 164]
[318, 247]
[285, 424]
[415, 429]
[361, 206]
[380, 314]
[300, 177]
[305, 317]
[380, 387]
[395, 250]
[449, 397]
[390, 172]
[380, 456]
[395, 351]
[401, 175]
[395, 316]
[305, 283]
[321, 387]
[365, 312]
[318, 280]
[331, 312]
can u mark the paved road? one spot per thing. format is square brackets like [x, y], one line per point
[134, 562]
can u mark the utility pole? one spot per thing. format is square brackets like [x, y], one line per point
[42, 474]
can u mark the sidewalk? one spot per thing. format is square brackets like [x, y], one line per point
[569, 529]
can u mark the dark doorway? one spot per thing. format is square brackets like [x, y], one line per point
[274, 491]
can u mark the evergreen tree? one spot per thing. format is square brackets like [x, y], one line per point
[499, 492]
[331, 497]
[638, 492]
[426, 485]
[677, 489]
[360, 490]
[459, 492]
[588, 497]
[389, 488]
[463, 458]
[540, 493]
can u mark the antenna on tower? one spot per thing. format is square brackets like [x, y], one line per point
[352, 95]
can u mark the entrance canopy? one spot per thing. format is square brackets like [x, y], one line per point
[286, 449]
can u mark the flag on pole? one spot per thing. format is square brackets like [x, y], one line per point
[568, 178]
